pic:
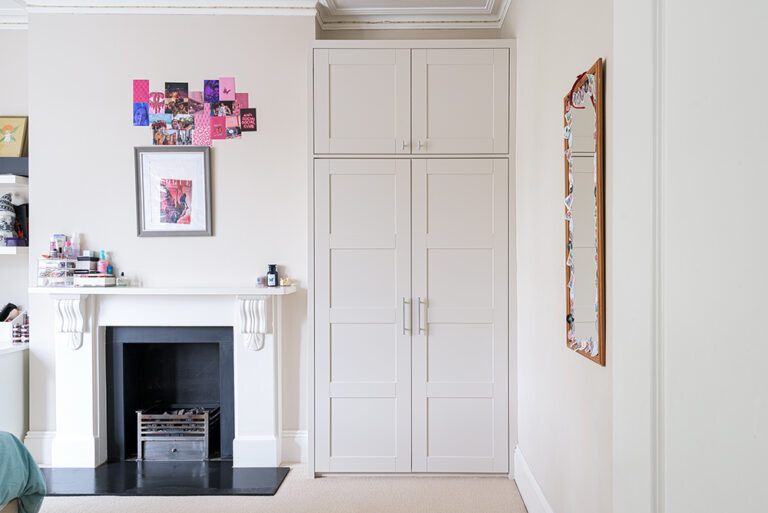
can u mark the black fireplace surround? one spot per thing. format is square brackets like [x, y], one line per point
[173, 367]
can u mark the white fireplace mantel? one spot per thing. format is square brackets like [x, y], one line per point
[80, 317]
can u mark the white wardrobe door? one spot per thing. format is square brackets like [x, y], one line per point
[362, 100]
[460, 246]
[363, 328]
[460, 100]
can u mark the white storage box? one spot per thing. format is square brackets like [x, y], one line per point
[6, 329]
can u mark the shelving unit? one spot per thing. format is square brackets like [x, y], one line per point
[14, 165]
[22, 250]
[13, 181]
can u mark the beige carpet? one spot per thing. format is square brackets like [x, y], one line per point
[299, 494]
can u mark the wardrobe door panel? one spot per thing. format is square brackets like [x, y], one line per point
[362, 100]
[460, 100]
[460, 339]
[363, 331]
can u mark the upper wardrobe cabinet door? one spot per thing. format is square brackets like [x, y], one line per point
[460, 100]
[362, 100]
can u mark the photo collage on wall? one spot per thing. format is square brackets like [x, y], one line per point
[180, 117]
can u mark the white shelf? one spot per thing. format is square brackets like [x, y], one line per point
[14, 180]
[14, 348]
[149, 291]
[14, 250]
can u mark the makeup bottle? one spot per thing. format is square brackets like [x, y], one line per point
[102, 265]
[272, 280]
[75, 245]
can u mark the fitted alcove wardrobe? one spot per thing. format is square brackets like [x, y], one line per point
[411, 256]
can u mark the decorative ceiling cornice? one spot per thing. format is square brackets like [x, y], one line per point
[13, 15]
[489, 16]
[330, 16]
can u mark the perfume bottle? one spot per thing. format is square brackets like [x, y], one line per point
[272, 279]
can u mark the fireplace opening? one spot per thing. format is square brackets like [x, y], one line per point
[170, 393]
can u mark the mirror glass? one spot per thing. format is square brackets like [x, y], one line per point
[584, 216]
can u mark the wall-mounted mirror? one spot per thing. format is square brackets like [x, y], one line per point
[585, 215]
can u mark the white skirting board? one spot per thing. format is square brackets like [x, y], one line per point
[530, 491]
[295, 445]
[294, 448]
[39, 444]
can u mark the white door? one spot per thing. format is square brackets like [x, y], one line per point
[460, 100]
[363, 316]
[460, 247]
[362, 100]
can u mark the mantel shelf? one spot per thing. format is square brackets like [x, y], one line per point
[150, 291]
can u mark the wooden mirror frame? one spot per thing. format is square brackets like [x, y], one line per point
[597, 71]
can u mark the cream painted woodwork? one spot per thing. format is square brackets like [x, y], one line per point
[459, 268]
[460, 100]
[391, 317]
[411, 101]
[363, 314]
[362, 100]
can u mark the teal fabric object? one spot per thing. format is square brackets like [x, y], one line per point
[20, 477]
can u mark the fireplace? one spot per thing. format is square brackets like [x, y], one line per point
[88, 430]
[170, 393]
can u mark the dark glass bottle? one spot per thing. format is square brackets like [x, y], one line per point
[272, 279]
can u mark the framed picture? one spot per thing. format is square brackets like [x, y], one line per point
[173, 191]
[13, 136]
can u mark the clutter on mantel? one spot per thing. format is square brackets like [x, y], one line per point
[65, 265]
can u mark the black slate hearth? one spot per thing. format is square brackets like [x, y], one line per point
[164, 478]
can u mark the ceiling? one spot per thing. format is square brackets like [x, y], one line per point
[331, 14]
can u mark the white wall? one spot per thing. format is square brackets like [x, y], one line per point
[81, 72]
[564, 399]
[13, 102]
[708, 77]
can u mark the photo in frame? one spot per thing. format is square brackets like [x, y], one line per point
[13, 136]
[173, 191]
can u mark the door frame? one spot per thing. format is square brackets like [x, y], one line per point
[510, 44]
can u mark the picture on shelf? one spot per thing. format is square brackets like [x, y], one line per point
[13, 135]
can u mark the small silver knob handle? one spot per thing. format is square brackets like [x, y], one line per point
[422, 144]
[405, 144]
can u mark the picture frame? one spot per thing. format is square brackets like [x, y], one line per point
[173, 191]
[13, 136]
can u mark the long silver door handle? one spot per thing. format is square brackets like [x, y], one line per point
[406, 327]
[424, 317]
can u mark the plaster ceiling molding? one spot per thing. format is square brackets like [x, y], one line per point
[411, 14]
[13, 15]
[238, 7]
[331, 14]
